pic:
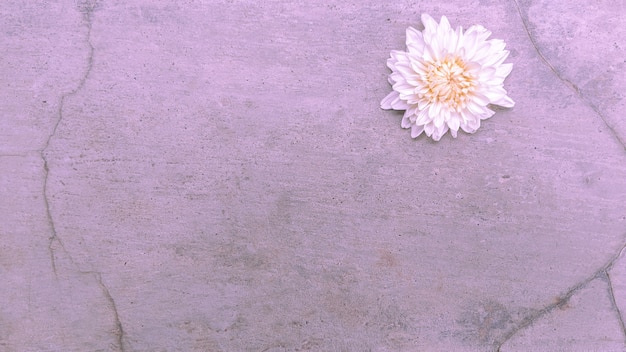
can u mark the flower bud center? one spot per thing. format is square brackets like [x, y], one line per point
[449, 83]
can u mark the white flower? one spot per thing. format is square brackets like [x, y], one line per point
[447, 78]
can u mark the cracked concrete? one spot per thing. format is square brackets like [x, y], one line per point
[614, 304]
[86, 9]
[47, 295]
[568, 82]
[584, 321]
[113, 306]
[613, 123]
[218, 176]
[563, 301]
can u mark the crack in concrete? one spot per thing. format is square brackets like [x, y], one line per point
[86, 8]
[614, 303]
[603, 272]
[118, 323]
[564, 80]
[562, 300]
[87, 11]
[612, 291]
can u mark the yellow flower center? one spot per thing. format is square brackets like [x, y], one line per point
[449, 83]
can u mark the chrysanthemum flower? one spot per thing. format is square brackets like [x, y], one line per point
[447, 78]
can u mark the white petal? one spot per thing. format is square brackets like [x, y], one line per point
[487, 114]
[403, 88]
[418, 67]
[468, 43]
[439, 132]
[495, 57]
[396, 77]
[386, 102]
[486, 74]
[399, 55]
[429, 128]
[480, 99]
[423, 118]
[452, 41]
[482, 53]
[413, 35]
[414, 40]
[412, 99]
[406, 121]
[399, 104]
[503, 70]
[395, 57]
[406, 71]
[444, 25]
[471, 126]
[435, 48]
[472, 67]
[429, 54]
[475, 109]
[434, 110]
[505, 101]
[474, 43]
[422, 104]
[454, 123]
[393, 101]
[497, 45]
[416, 131]
[445, 114]
[411, 110]
[430, 25]
[458, 40]
[492, 93]
[481, 32]
[446, 36]
[439, 122]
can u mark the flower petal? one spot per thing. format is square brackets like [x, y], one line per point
[386, 102]
[487, 114]
[429, 128]
[430, 25]
[444, 25]
[454, 123]
[395, 57]
[439, 132]
[503, 70]
[407, 71]
[447, 79]
[393, 101]
[406, 121]
[423, 118]
[433, 110]
[414, 41]
[505, 101]
[480, 99]
[416, 130]
[486, 74]
[471, 126]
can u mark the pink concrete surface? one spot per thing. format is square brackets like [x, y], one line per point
[218, 176]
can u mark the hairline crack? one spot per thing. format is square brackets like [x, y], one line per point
[564, 80]
[86, 9]
[602, 273]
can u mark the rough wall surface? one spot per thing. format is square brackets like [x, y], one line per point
[218, 176]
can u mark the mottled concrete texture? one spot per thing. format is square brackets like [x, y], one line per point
[218, 176]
